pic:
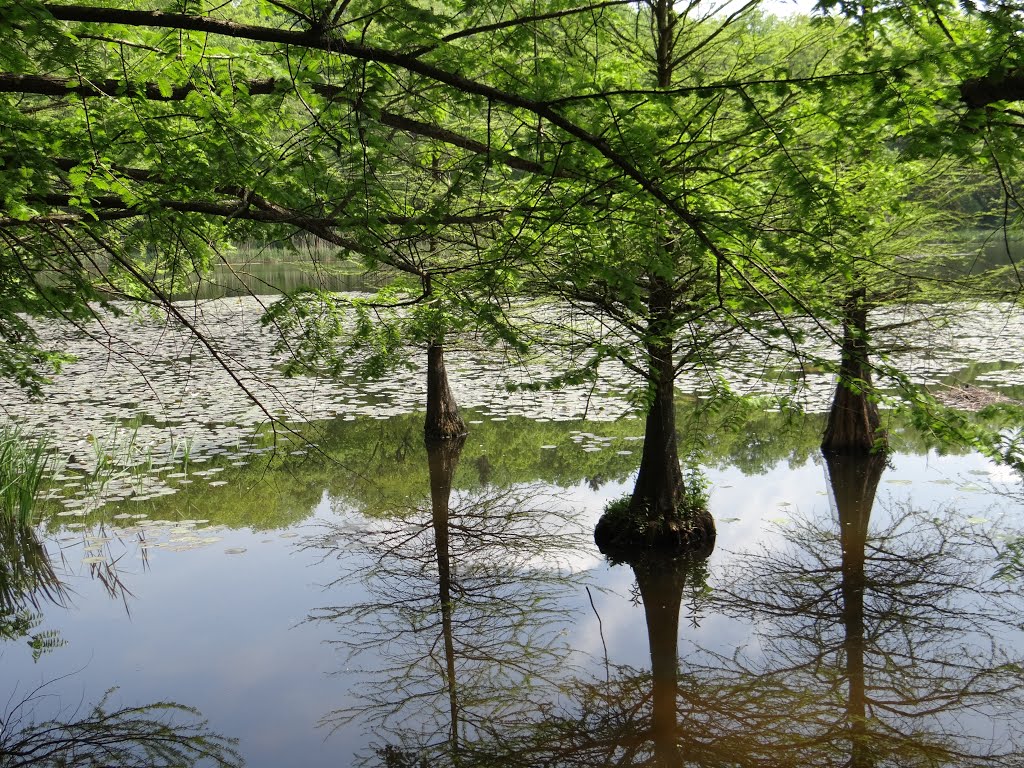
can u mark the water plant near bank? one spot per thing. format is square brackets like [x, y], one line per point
[24, 463]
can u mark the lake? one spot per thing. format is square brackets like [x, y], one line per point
[326, 593]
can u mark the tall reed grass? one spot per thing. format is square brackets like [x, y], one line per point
[23, 463]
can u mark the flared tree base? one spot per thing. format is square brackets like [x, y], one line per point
[450, 429]
[854, 426]
[443, 421]
[625, 536]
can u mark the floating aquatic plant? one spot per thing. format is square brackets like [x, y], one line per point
[156, 403]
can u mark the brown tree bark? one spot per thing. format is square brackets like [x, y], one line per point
[659, 492]
[659, 483]
[658, 518]
[853, 421]
[997, 85]
[443, 421]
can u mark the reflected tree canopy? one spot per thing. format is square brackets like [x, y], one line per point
[877, 642]
[378, 466]
[629, 717]
[462, 605]
[879, 645]
[159, 735]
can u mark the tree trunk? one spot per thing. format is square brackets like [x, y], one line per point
[443, 421]
[659, 483]
[853, 422]
[657, 518]
[664, 37]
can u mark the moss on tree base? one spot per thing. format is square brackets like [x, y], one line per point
[453, 429]
[627, 536]
[854, 425]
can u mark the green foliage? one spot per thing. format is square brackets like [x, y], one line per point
[307, 322]
[23, 465]
[994, 431]
[1005, 445]
[696, 489]
[671, 183]
[619, 507]
[1011, 560]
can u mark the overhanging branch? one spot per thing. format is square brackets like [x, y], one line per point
[247, 206]
[1001, 85]
[48, 85]
[317, 39]
[324, 41]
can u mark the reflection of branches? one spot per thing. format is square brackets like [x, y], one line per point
[612, 722]
[877, 646]
[27, 579]
[146, 736]
[628, 718]
[463, 608]
[26, 573]
[885, 639]
[927, 595]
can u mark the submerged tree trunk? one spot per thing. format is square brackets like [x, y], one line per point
[853, 422]
[658, 517]
[443, 421]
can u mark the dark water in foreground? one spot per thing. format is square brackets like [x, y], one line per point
[346, 608]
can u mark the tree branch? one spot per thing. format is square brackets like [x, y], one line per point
[317, 40]
[518, 21]
[48, 85]
[1000, 85]
[113, 207]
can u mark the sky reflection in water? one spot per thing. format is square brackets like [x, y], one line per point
[300, 609]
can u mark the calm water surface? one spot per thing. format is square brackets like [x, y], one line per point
[355, 601]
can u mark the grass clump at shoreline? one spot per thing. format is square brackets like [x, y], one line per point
[23, 464]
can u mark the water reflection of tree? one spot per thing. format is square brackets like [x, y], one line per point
[160, 735]
[27, 581]
[463, 610]
[629, 717]
[661, 582]
[879, 645]
[875, 646]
